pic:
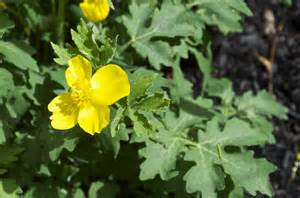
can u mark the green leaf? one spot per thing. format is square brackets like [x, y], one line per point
[200, 107]
[157, 52]
[141, 82]
[243, 165]
[57, 75]
[122, 135]
[115, 123]
[33, 17]
[107, 47]
[93, 43]
[44, 170]
[9, 189]
[178, 124]
[182, 88]
[94, 188]
[5, 23]
[18, 104]
[237, 133]
[6, 83]
[226, 19]
[78, 193]
[9, 154]
[159, 160]
[169, 13]
[103, 190]
[204, 64]
[36, 80]
[114, 142]
[263, 103]
[161, 155]
[83, 40]
[181, 50]
[161, 25]
[69, 143]
[265, 127]
[141, 124]
[146, 98]
[2, 133]
[17, 56]
[156, 102]
[226, 149]
[212, 178]
[111, 4]
[237, 192]
[64, 54]
[221, 88]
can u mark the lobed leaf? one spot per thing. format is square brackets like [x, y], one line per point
[17, 56]
[263, 103]
[161, 24]
[226, 19]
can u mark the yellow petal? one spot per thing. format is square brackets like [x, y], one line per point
[64, 110]
[62, 121]
[109, 84]
[95, 10]
[79, 71]
[92, 119]
[62, 102]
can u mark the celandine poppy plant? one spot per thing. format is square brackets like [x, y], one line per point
[95, 10]
[87, 102]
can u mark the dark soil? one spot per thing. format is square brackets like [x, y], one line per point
[235, 58]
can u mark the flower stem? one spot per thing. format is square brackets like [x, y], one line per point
[61, 21]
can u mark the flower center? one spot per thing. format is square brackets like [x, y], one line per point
[82, 95]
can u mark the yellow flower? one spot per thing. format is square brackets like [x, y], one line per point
[95, 10]
[87, 102]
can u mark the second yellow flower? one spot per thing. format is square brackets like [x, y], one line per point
[95, 10]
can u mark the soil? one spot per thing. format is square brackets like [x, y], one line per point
[235, 57]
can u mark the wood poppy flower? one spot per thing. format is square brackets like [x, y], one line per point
[87, 103]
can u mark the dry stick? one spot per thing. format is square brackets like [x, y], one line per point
[272, 56]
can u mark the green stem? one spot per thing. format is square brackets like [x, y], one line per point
[61, 21]
[124, 47]
[219, 151]
[188, 142]
[53, 9]
[198, 145]
[135, 39]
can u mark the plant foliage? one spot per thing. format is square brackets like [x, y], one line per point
[169, 137]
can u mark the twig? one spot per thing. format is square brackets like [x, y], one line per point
[273, 54]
